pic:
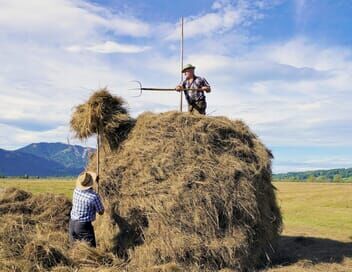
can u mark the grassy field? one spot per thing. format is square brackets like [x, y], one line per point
[319, 209]
[36, 186]
[317, 232]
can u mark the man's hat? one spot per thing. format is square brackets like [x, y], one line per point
[86, 180]
[187, 67]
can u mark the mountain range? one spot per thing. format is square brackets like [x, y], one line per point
[44, 159]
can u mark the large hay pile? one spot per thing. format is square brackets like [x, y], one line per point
[187, 191]
[183, 193]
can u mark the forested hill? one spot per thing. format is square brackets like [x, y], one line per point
[322, 175]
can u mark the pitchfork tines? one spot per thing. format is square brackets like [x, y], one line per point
[140, 88]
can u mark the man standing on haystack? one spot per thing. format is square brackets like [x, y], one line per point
[85, 204]
[198, 85]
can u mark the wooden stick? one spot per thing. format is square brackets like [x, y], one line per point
[168, 89]
[98, 155]
[181, 94]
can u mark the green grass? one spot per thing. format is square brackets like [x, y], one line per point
[316, 209]
[36, 186]
[309, 209]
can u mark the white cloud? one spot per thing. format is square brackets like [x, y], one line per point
[301, 52]
[109, 47]
[225, 16]
[128, 26]
[21, 137]
[330, 162]
[69, 19]
[290, 93]
[40, 81]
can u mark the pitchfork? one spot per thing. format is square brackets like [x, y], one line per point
[140, 88]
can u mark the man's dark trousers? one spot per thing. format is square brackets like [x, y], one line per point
[82, 231]
[200, 106]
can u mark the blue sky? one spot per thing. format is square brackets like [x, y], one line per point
[282, 66]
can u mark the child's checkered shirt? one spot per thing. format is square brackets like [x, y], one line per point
[85, 205]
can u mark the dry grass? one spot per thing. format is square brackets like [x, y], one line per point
[32, 230]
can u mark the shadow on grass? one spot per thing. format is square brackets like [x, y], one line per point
[292, 249]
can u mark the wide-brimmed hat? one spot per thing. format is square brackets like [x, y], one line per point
[86, 180]
[187, 67]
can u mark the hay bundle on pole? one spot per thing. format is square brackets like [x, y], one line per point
[102, 114]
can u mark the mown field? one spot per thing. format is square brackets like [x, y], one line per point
[317, 232]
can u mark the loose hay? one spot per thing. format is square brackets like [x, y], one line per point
[47, 209]
[87, 256]
[44, 255]
[33, 230]
[11, 195]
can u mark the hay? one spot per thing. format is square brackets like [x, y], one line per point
[47, 209]
[44, 255]
[87, 256]
[33, 230]
[10, 195]
[15, 233]
[105, 113]
[33, 236]
[189, 190]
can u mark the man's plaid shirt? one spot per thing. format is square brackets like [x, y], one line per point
[197, 83]
[85, 205]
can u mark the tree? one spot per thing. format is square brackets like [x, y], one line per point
[338, 178]
[322, 179]
[311, 178]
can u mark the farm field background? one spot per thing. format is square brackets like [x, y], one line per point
[317, 233]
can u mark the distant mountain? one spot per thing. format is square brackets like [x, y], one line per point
[44, 159]
[71, 156]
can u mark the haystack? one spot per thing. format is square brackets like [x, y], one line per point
[184, 191]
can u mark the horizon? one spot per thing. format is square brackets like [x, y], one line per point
[92, 147]
[279, 66]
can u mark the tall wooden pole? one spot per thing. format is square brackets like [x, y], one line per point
[181, 94]
[98, 155]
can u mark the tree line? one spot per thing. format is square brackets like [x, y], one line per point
[331, 175]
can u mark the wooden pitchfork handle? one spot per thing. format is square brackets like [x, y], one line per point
[98, 157]
[141, 89]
